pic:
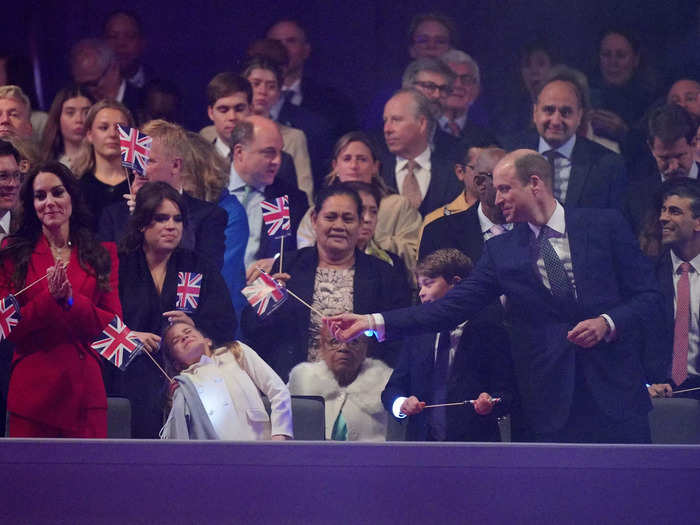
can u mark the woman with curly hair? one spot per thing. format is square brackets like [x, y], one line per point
[56, 387]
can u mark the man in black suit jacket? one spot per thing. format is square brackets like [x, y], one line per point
[586, 175]
[408, 126]
[206, 222]
[676, 348]
[256, 144]
[478, 366]
[468, 230]
[671, 134]
[578, 298]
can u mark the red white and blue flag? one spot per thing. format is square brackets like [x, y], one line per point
[276, 217]
[189, 285]
[135, 148]
[265, 294]
[117, 343]
[9, 315]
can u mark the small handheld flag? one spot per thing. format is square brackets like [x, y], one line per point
[276, 217]
[135, 148]
[117, 344]
[9, 315]
[265, 295]
[189, 284]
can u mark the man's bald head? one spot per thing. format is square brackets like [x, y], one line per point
[256, 144]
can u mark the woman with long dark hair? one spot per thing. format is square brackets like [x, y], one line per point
[56, 387]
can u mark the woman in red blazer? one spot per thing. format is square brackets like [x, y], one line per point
[56, 387]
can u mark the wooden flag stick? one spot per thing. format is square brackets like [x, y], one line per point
[685, 390]
[128, 182]
[281, 252]
[170, 379]
[471, 401]
[294, 295]
[30, 285]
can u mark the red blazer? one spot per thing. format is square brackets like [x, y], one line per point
[55, 373]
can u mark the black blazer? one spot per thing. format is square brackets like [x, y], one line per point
[298, 204]
[444, 184]
[598, 176]
[612, 276]
[658, 352]
[204, 233]
[461, 231]
[482, 363]
[640, 205]
[282, 337]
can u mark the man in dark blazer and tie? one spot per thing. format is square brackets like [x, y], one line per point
[578, 297]
[411, 167]
[206, 222]
[586, 175]
[676, 347]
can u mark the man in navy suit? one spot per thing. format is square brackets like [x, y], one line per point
[579, 292]
[413, 169]
[586, 175]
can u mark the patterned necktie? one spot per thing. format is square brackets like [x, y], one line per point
[551, 156]
[410, 188]
[438, 419]
[454, 128]
[679, 369]
[559, 283]
[496, 230]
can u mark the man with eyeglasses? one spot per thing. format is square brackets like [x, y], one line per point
[95, 67]
[10, 179]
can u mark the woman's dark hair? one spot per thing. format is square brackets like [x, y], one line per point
[51, 139]
[93, 257]
[149, 197]
[333, 190]
[372, 189]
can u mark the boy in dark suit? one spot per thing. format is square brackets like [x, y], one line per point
[472, 361]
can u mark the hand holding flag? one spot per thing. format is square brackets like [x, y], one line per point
[265, 294]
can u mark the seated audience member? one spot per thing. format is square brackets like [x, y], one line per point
[306, 91]
[351, 385]
[686, 93]
[65, 131]
[513, 109]
[15, 110]
[161, 100]
[466, 88]
[621, 92]
[206, 178]
[265, 78]
[204, 232]
[256, 145]
[123, 32]
[218, 390]
[586, 175]
[431, 35]
[332, 276]
[412, 168]
[463, 201]
[18, 70]
[355, 158]
[467, 231]
[99, 167]
[56, 387]
[469, 362]
[95, 67]
[153, 270]
[671, 134]
[229, 98]
[677, 272]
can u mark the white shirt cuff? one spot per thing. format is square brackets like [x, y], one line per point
[396, 407]
[612, 334]
[376, 324]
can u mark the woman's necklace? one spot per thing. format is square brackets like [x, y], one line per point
[61, 253]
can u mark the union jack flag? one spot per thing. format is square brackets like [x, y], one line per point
[276, 217]
[9, 315]
[189, 284]
[265, 294]
[135, 148]
[117, 344]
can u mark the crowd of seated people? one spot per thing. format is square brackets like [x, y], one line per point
[423, 210]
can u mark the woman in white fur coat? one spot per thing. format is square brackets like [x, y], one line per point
[351, 384]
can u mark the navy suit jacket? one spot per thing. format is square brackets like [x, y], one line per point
[444, 184]
[203, 234]
[461, 231]
[612, 276]
[598, 176]
[659, 349]
[482, 363]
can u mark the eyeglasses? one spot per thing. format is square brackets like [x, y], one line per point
[7, 176]
[432, 87]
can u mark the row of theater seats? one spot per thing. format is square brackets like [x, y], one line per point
[673, 420]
